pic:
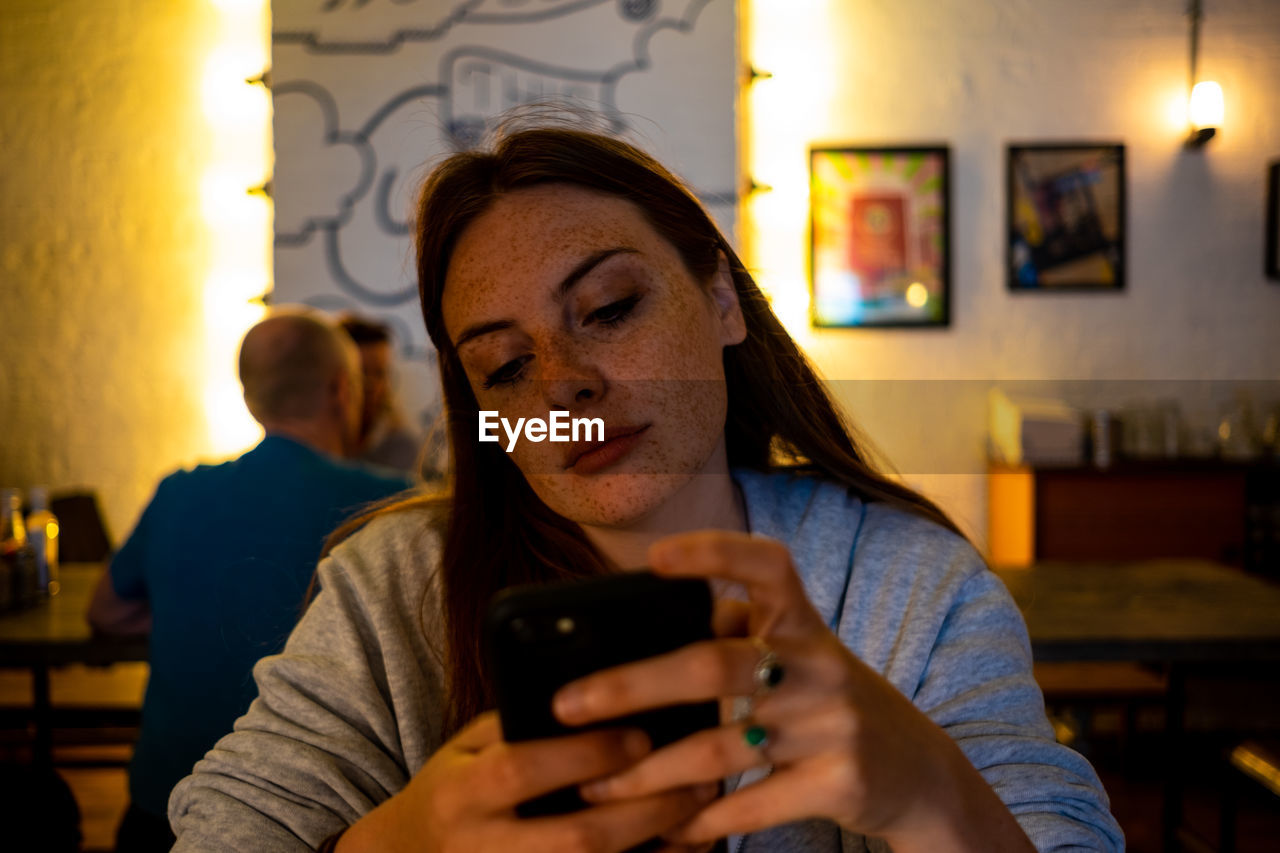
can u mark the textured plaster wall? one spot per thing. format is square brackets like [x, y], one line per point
[977, 75]
[102, 243]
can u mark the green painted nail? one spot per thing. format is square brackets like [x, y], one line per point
[755, 736]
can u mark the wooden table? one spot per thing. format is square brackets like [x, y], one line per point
[55, 633]
[1176, 613]
[1159, 611]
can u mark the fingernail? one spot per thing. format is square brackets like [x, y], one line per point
[594, 792]
[635, 744]
[569, 704]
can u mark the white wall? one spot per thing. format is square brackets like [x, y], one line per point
[977, 75]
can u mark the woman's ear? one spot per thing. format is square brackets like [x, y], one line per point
[733, 327]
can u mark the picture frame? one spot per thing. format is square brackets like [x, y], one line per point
[1272, 259]
[880, 236]
[1065, 212]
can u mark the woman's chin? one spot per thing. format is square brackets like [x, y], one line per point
[621, 500]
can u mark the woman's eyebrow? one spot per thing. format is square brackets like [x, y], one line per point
[562, 289]
[587, 265]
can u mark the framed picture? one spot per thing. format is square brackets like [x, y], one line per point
[1273, 221]
[1065, 205]
[880, 246]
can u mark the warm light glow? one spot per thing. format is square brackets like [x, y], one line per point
[790, 302]
[228, 314]
[240, 5]
[227, 203]
[1206, 106]
[229, 295]
[785, 114]
[231, 430]
[917, 294]
[239, 119]
[773, 214]
[1173, 109]
[227, 97]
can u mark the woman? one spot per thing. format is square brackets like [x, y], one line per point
[567, 271]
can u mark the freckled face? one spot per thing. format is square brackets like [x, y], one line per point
[559, 297]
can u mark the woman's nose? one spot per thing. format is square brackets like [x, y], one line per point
[569, 380]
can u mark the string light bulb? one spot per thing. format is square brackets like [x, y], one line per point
[1205, 109]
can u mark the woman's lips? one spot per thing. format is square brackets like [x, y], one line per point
[588, 457]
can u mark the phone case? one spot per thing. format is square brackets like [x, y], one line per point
[541, 637]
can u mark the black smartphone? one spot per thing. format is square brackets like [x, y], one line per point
[540, 637]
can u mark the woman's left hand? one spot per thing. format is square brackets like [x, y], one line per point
[844, 744]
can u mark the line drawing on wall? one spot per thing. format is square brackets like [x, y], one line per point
[368, 94]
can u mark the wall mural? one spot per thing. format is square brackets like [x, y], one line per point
[369, 94]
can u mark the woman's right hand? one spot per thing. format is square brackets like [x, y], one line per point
[464, 798]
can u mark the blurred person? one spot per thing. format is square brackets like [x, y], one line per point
[218, 566]
[386, 436]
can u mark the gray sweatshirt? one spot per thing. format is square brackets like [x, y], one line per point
[351, 709]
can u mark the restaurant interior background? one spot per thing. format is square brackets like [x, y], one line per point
[119, 365]
[134, 254]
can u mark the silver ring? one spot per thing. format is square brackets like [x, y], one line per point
[769, 671]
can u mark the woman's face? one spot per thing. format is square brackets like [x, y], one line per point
[561, 298]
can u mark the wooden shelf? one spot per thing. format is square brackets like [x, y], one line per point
[1135, 510]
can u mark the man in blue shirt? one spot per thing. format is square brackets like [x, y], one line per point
[218, 566]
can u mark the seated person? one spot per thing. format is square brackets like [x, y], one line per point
[567, 271]
[386, 438]
[219, 564]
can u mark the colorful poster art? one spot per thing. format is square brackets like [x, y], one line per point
[879, 228]
[1066, 217]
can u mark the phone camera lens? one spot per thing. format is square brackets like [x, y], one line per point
[523, 630]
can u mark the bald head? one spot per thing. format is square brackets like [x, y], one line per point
[291, 364]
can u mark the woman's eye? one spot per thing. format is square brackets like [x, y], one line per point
[613, 313]
[508, 374]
